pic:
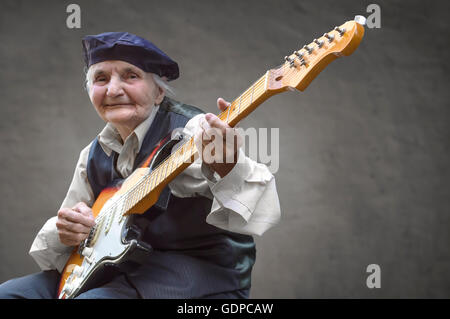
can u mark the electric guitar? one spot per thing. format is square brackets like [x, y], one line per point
[113, 239]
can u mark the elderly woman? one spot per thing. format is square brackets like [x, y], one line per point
[202, 225]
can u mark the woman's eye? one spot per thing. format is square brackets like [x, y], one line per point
[100, 79]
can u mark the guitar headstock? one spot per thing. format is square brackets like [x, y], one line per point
[303, 65]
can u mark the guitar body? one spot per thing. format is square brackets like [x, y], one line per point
[115, 240]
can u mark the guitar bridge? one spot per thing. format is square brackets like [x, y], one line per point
[85, 243]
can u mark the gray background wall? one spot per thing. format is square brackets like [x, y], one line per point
[364, 151]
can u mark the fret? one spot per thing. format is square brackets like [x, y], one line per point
[181, 156]
[177, 158]
[183, 153]
[172, 163]
[253, 91]
[144, 187]
[266, 80]
[139, 192]
[164, 169]
[161, 173]
[135, 195]
[130, 202]
[152, 180]
[245, 100]
[158, 174]
[260, 87]
[239, 107]
[147, 184]
[169, 165]
[187, 151]
[174, 159]
[127, 202]
[228, 113]
[132, 197]
[155, 177]
[192, 148]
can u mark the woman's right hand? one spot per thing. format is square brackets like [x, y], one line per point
[74, 224]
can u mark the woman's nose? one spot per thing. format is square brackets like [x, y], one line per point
[114, 87]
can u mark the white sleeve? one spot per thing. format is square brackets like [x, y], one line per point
[47, 250]
[244, 201]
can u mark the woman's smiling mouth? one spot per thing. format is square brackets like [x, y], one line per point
[117, 104]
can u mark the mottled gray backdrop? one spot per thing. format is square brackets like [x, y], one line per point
[364, 151]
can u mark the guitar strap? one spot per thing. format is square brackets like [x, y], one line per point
[161, 151]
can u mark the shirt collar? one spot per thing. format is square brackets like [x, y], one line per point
[110, 140]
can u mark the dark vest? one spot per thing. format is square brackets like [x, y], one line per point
[191, 258]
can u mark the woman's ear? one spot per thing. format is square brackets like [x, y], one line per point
[160, 95]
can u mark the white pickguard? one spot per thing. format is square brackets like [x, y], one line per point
[108, 245]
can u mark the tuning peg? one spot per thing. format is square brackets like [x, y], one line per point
[318, 42]
[330, 37]
[340, 30]
[299, 54]
[302, 62]
[309, 49]
[290, 60]
[360, 19]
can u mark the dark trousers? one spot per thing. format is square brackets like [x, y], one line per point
[44, 285]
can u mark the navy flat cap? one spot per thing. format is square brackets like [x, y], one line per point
[130, 48]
